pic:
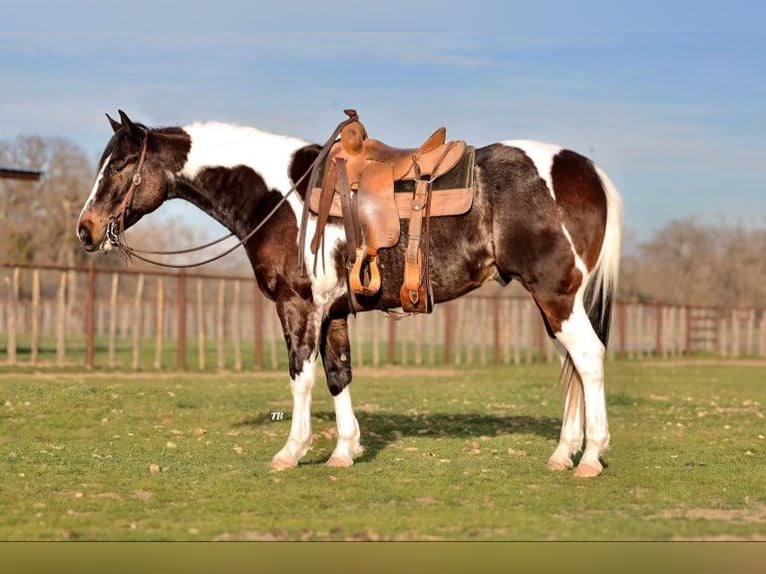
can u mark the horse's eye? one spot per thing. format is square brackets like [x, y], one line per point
[117, 167]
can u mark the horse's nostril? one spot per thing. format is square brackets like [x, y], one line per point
[85, 237]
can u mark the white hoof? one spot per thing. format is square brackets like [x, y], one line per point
[588, 469]
[279, 463]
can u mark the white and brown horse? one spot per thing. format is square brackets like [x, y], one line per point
[543, 215]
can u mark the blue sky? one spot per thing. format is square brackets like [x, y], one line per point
[667, 97]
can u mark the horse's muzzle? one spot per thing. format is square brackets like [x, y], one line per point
[85, 237]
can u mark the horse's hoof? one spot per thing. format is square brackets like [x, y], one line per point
[337, 462]
[559, 465]
[282, 464]
[588, 470]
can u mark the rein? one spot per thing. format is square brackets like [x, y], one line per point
[115, 230]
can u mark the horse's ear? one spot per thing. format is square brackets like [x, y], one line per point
[114, 123]
[135, 133]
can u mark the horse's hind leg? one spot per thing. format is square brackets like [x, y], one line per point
[572, 430]
[585, 391]
[336, 356]
[582, 374]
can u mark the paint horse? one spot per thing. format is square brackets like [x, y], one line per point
[542, 215]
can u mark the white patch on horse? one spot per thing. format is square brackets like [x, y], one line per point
[93, 191]
[348, 431]
[542, 155]
[215, 144]
[587, 352]
[326, 286]
[299, 441]
[579, 263]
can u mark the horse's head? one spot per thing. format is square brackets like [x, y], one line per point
[131, 182]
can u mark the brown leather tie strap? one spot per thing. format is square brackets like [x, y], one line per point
[353, 236]
[325, 203]
[412, 293]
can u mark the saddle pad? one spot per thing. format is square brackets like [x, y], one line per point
[451, 194]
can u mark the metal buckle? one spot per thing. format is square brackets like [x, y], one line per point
[136, 179]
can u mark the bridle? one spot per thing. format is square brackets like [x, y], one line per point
[115, 230]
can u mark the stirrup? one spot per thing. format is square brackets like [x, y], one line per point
[356, 279]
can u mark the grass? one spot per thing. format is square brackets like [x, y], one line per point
[451, 454]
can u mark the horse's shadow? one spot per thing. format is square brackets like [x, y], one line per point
[381, 429]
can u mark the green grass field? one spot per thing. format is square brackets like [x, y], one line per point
[451, 454]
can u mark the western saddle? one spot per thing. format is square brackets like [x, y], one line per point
[359, 184]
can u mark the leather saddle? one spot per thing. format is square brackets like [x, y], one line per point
[360, 181]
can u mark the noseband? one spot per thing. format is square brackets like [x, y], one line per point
[115, 229]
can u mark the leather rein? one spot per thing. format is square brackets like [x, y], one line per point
[115, 231]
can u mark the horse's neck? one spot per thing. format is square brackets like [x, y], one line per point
[230, 171]
[236, 209]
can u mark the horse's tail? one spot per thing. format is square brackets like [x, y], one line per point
[602, 283]
[601, 288]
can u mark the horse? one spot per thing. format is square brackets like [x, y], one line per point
[542, 215]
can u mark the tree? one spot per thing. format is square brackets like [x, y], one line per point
[37, 220]
[689, 262]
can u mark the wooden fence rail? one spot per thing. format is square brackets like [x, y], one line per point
[105, 318]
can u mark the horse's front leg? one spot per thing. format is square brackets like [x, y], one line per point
[336, 357]
[301, 324]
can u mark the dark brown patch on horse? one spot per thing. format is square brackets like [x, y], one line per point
[581, 199]
[300, 164]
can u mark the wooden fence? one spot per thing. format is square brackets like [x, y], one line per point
[99, 318]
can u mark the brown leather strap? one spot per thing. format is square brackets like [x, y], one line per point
[325, 203]
[353, 238]
[412, 293]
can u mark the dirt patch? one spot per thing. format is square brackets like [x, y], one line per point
[273, 536]
[744, 515]
[722, 538]
[674, 363]
[388, 371]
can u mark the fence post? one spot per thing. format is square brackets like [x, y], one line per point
[159, 335]
[418, 340]
[35, 317]
[113, 319]
[258, 325]
[13, 313]
[391, 350]
[220, 323]
[236, 320]
[517, 323]
[358, 341]
[496, 327]
[61, 321]
[201, 343]
[90, 309]
[181, 335]
[447, 334]
[375, 339]
[137, 308]
[658, 333]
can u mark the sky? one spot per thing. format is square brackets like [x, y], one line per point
[669, 98]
